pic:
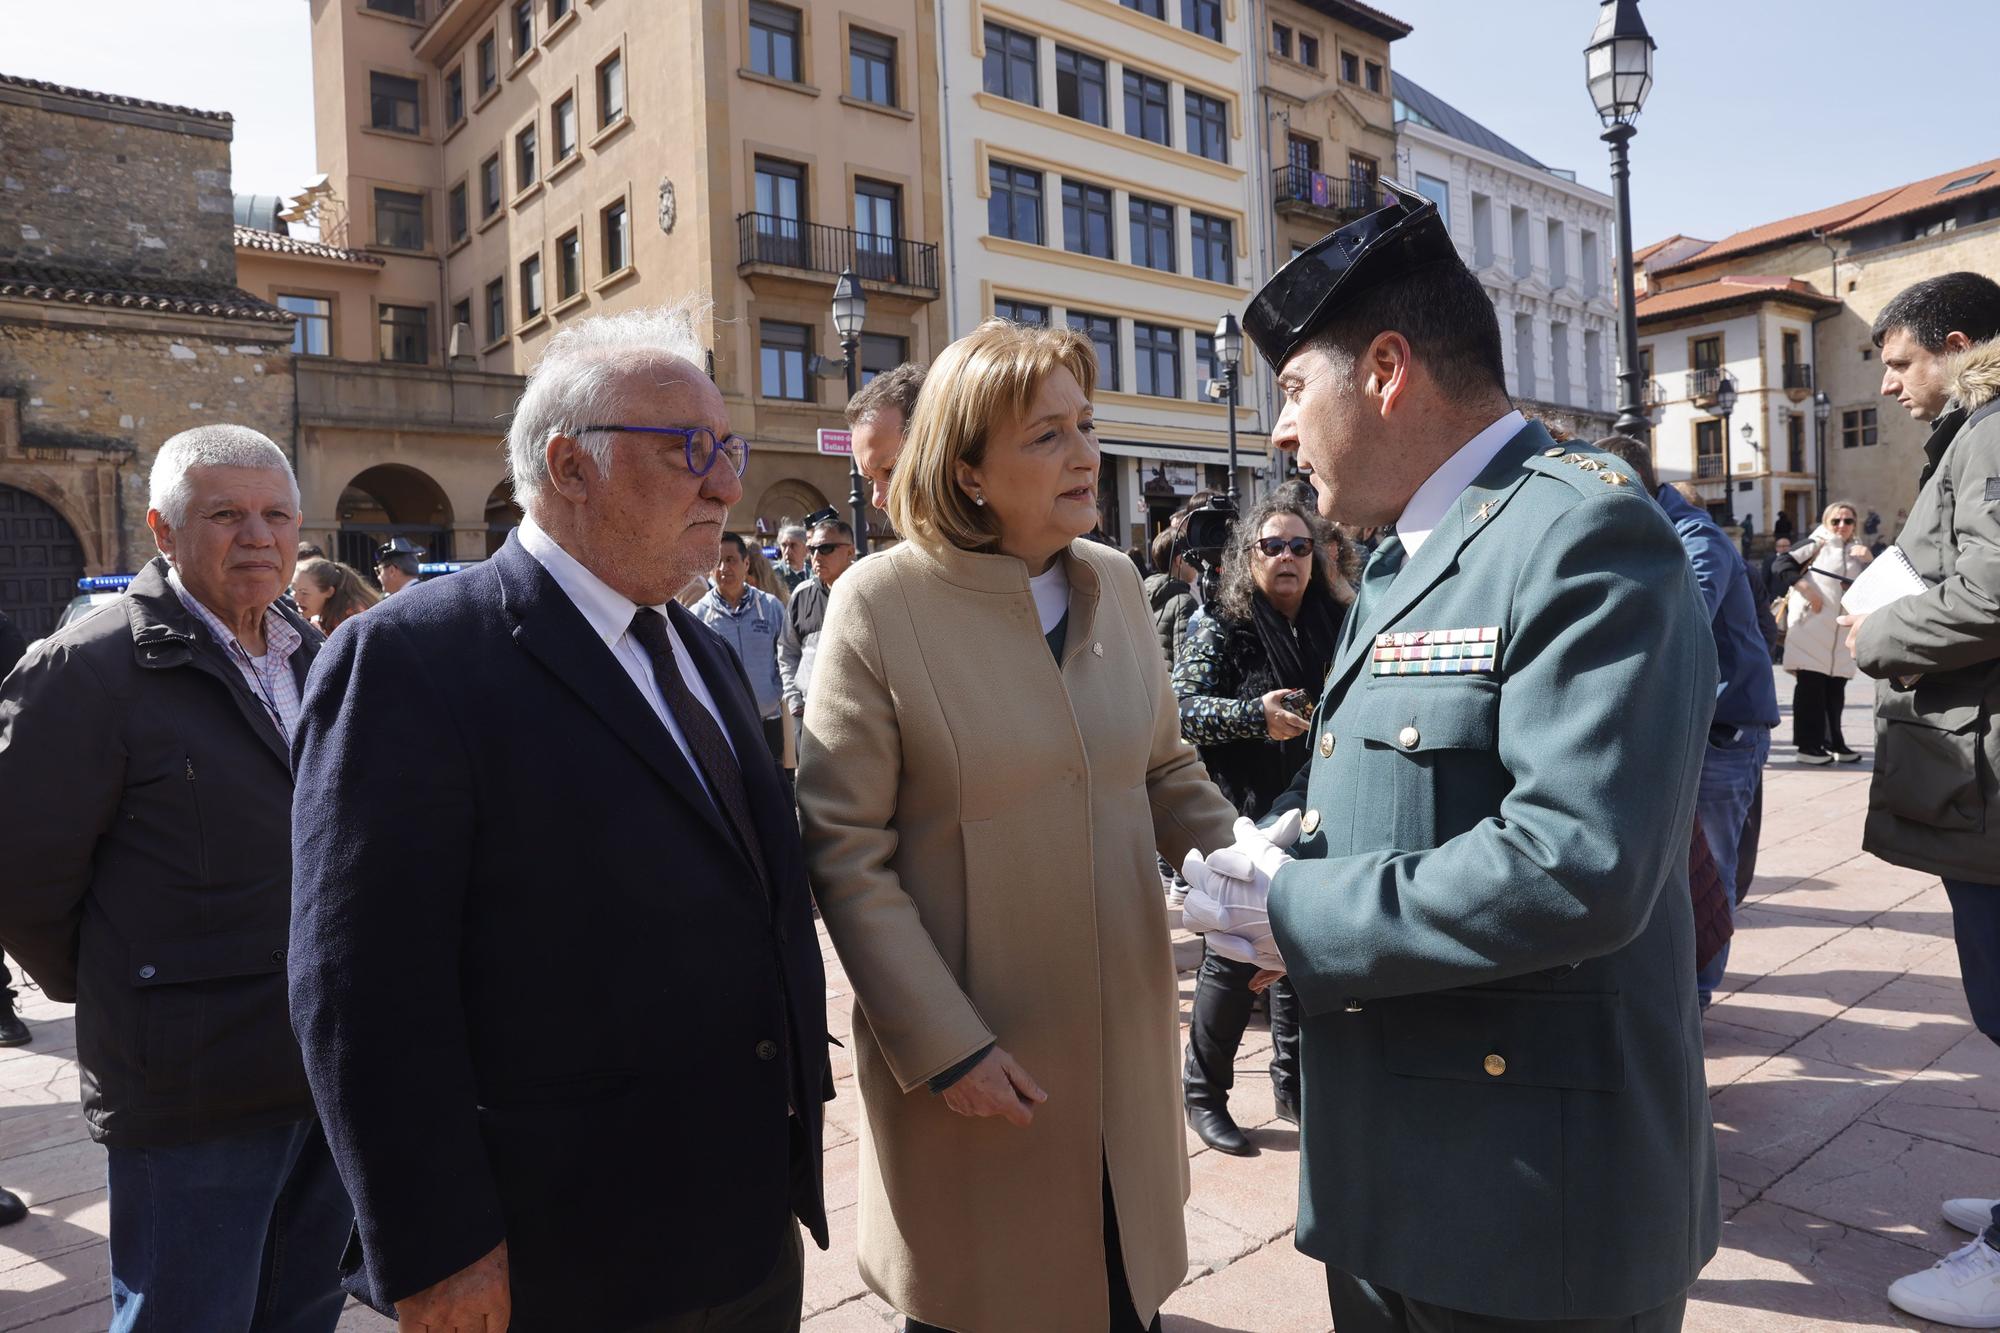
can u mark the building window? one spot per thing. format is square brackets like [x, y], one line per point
[1086, 219]
[780, 195]
[1482, 231]
[1593, 369]
[1302, 153]
[1214, 241]
[1014, 209]
[454, 95]
[871, 66]
[1203, 17]
[1156, 356]
[1152, 234]
[559, 10]
[526, 169]
[1706, 353]
[1524, 355]
[461, 313]
[1524, 262]
[1080, 87]
[496, 310]
[1350, 67]
[1208, 365]
[774, 40]
[1011, 68]
[1145, 107]
[1795, 442]
[1281, 40]
[878, 222]
[1439, 193]
[617, 231]
[1708, 449]
[611, 91]
[1152, 9]
[1207, 127]
[569, 264]
[313, 334]
[1372, 77]
[392, 104]
[399, 220]
[489, 186]
[1592, 265]
[531, 288]
[1558, 242]
[782, 352]
[562, 121]
[1857, 427]
[524, 27]
[1021, 312]
[402, 9]
[882, 353]
[1102, 330]
[458, 212]
[406, 334]
[1559, 360]
[489, 64]
[1308, 50]
[1363, 175]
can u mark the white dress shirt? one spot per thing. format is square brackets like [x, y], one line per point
[610, 615]
[1437, 495]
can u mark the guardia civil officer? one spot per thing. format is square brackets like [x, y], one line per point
[1485, 915]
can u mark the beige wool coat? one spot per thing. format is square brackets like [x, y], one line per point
[980, 828]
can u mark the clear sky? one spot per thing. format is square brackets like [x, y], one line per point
[1759, 109]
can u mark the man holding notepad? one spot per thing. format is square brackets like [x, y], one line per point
[1925, 621]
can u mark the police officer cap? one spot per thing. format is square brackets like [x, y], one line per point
[398, 546]
[1405, 235]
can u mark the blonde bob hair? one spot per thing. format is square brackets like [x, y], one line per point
[1826, 514]
[988, 377]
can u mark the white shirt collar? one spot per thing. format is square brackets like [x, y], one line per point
[608, 610]
[1440, 492]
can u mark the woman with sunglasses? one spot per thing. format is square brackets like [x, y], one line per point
[1816, 651]
[1248, 675]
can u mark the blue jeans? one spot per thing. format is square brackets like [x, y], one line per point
[1975, 921]
[1729, 774]
[241, 1234]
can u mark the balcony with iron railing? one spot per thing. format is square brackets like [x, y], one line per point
[767, 242]
[1703, 384]
[1652, 396]
[1298, 189]
[1798, 381]
[1708, 467]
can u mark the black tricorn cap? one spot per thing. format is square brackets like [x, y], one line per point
[1404, 235]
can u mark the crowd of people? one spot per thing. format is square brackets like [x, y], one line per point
[398, 927]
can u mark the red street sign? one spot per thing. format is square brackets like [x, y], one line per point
[836, 442]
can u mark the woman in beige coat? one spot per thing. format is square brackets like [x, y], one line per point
[1816, 650]
[991, 756]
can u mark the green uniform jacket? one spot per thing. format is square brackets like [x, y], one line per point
[1504, 1104]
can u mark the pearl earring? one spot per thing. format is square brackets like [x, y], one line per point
[979, 499]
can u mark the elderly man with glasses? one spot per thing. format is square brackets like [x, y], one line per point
[632, 1141]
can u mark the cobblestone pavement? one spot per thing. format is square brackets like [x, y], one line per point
[1851, 1095]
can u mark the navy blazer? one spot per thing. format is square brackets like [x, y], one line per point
[543, 995]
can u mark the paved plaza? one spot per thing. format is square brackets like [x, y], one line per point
[1851, 1095]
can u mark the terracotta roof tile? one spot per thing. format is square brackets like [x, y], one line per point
[1785, 229]
[110, 99]
[1928, 193]
[124, 291]
[253, 238]
[1726, 290]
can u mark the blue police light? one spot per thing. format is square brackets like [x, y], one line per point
[103, 583]
[443, 567]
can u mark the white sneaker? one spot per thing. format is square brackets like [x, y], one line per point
[1961, 1290]
[1974, 1215]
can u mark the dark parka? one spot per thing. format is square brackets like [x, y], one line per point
[147, 835]
[1934, 805]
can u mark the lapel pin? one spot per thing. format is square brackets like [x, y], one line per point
[1485, 508]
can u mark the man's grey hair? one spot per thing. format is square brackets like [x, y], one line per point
[792, 532]
[581, 381]
[210, 446]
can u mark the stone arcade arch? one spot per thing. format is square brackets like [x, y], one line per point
[393, 500]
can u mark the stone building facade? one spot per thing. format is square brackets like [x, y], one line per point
[121, 323]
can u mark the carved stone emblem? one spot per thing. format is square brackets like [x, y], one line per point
[669, 210]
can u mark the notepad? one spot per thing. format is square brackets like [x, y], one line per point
[1890, 578]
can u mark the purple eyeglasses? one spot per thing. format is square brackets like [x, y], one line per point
[701, 445]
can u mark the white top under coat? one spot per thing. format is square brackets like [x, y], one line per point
[1051, 590]
[1437, 495]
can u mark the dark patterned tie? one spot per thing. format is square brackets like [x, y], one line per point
[704, 736]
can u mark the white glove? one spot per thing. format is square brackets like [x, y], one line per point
[1229, 891]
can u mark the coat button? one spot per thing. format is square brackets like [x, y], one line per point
[146, 972]
[767, 1049]
[1310, 824]
[1408, 738]
[1326, 745]
[1494, 1065]
[1353, 1006]
[277, 955]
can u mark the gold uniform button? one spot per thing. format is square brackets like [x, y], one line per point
[1556, 452]
[1494, 1065]
[1326, 745]
[1310, 824]
[1408, 738]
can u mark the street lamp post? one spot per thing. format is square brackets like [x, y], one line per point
[850, 312]
[1229, 350]
[1725, 407]
[1618, 66]
[1822, 409]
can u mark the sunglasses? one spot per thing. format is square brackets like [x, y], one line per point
[1840, 522]
[826, 548]
[1273, 547]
